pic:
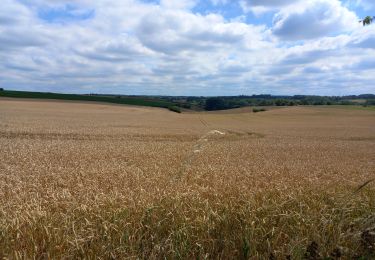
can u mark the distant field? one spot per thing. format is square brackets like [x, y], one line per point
[372, 108]
[102, 181]
[138, 101]
[360, 101]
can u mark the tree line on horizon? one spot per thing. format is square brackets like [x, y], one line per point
[230, 102]
[176, 103]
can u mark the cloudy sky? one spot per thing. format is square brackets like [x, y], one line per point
[188, 47]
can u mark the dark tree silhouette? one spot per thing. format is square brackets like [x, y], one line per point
[367, 20]
[215, 103]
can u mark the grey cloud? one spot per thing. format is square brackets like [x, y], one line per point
[18, 27]
[234, 69]
[269, 3]
[366, 64]
[321, 18]
[88, 74]
[312, 70]
[367, 43]
[115, 51]
[168, 46]
[180, 68]
[7, 20]
[19, 67]
[13, 39]
[214, 37]
[13, 13]
[307, 57]
[280, 70]
[103, 56]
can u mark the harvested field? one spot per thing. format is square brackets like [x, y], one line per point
[92, 180]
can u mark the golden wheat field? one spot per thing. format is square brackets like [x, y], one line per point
[81, 180]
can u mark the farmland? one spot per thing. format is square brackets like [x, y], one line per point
[95, 180]
[124, 100]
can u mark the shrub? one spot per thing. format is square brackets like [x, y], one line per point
[175, 109]
[281, 102]
[256, 110]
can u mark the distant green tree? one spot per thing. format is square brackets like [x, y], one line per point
[367, 20]
[174, 109]
[304, 102]
[370, 102]
[281, 102]
[215, 104]
[264, 102]
[1, 89]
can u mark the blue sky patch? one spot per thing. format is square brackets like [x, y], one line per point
[66, 13]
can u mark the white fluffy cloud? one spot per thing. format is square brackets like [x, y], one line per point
[178, 31]
[312, 19]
